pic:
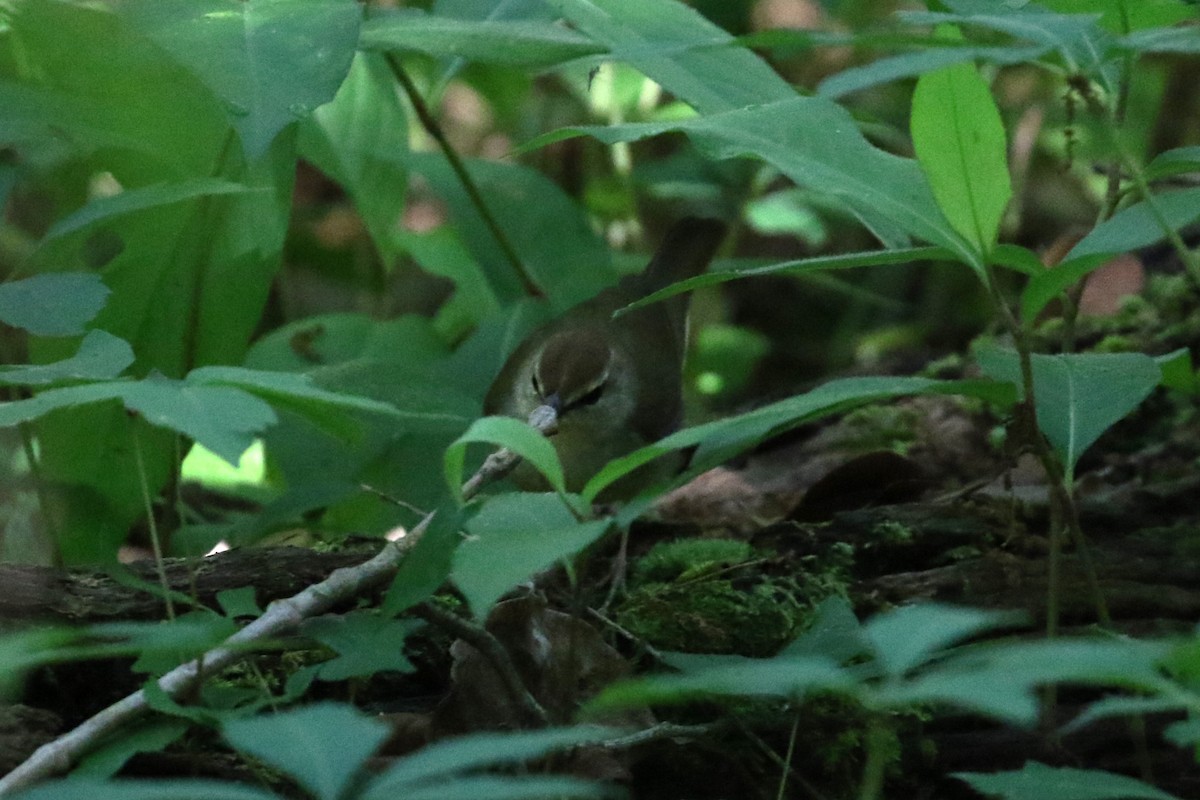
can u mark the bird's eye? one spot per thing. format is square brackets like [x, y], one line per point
[591, 398]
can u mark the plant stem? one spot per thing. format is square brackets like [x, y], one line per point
[873, 771]
[434, 129]
[151, 522]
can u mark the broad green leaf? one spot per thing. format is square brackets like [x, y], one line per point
[741, 677]
[290, 390]
[817, 144]
[325, 340]
[1178, 371]
[271, 62]
[1050, 282]
[959, 140]
[724, 438]
[561, 252]
[512, 537]
[680, 50]
[1174, 162]
[1001, 681]
[223, 419]
[933, 56]
[365, 641]
[322, 746]
[149, 736]
[239, 602]
[524, 43]
[1037, 781]
[131, 200]
[165, 646]
[510, 787]
[1184, 733]
[101, 356]
[1139, 225]
[799, 267]
[89, 78]
[428, 564]
[1078, 396]
[514, 434]
[360, 140]
[1080, 44]
[908, 637]
[994, 696]
[56, 304]
[173, 789]
[1163, 40]
[440, 760]
[834, 633]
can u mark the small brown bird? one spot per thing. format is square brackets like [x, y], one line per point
[615, 384]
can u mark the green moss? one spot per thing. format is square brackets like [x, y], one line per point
[712, 616]
[676, 560]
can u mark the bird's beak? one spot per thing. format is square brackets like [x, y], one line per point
[545, 416]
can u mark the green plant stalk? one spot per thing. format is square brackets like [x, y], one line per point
[151, 523]
[878, 737]
[1189, 259]
[435, 130]
[787, 759]
[1060, 481]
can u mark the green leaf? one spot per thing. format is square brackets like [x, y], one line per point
[298, 393]
[679, 49]
[1079, 43]
[724, 438]
[960, 144]
[799, 266]
[1138, 225]
[437, 761]
[173, 789]
[523, 43]
[514, 434]
[131, 200]
[223, 419]
[428, 564]
[101, 356]
[1178, 371]
[1078, 396]
[512, 538]
[510, 787]
[1178, 161]
[558, 246]
[52, 305]
[929, 58]
[323, 746]
[148, 736]
[1037, 781]
[908, 637]
[360, 140]
[1049, 283]
[835, 633]
[270, 61]
[365, 641]
[737, 677]
[1001, 681]
[239, 602]
[817, 144]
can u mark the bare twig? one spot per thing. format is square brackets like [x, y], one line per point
[495, 653]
